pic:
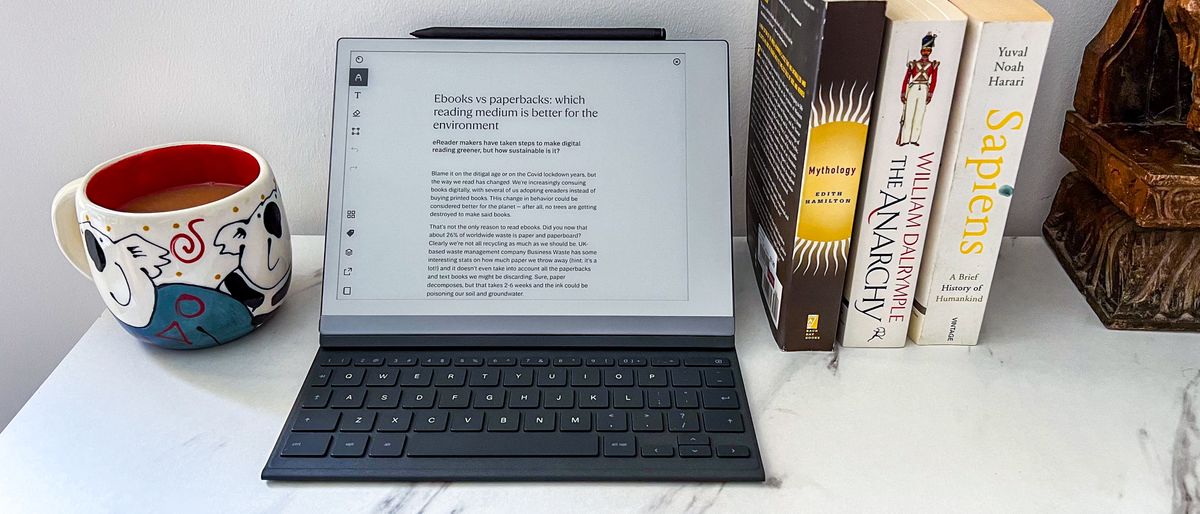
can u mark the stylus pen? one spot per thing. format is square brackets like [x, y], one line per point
[643, 34]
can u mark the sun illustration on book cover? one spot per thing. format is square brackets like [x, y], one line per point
[837, 138]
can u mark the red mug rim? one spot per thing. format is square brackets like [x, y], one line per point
[117, 181]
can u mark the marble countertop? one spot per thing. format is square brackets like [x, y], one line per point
[1051, 413]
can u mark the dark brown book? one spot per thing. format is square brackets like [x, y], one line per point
[815, 70]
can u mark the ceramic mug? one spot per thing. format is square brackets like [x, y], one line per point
[189, 278]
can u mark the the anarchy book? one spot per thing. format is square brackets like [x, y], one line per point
[814, 83]
[1003, 54]
[922, 44]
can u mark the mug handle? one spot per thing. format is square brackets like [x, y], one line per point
[65, 220]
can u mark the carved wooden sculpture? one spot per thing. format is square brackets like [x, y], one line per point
[1126, 225]
[1184, 16]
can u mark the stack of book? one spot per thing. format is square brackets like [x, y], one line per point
[884, 141]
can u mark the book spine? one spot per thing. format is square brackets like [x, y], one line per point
[829, 177]
[917, 77]
[1002, 65]
[787, 49]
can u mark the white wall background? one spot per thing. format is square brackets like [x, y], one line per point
[82, 81]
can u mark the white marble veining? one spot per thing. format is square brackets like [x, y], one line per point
[1051, 413]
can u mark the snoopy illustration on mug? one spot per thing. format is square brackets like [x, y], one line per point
[187, 243]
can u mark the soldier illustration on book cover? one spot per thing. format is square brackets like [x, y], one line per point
[920, 81]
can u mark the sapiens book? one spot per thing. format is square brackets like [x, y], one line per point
[922, 45]
[1003, 54]
[814, 84]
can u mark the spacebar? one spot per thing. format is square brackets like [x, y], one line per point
[503, 445]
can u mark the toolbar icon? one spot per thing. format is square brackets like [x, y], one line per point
[358, 77]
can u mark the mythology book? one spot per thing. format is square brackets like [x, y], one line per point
[814, 84]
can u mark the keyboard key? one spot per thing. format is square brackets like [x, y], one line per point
[596, 361]
[695, 451]
[498, 444]
[502, 361]
[658, 450]
[612, 421]
[535, 361]
[647, 421]
[584, 377]
[620, 445]
[468, 361]
[685, 377]
[503, 421]
[701, 440]
[416, 398]
[357, 421]
[558, 399]
[394, 421]
[489, 399]
[402, 361]
[687, 399]
[618, 377]
[452, 377]
[435, 361]
[593, 399]
[305, 445]
[382, 377]
[349, 445]
[664, 361]
[658, 399]
[652, 377]
[735, 450]
[466, 421]
[335, 361]
[539, 421]
[319, 377]
[383, 398]
[347, 398]
[629, 399]
[518, 377]
[317, 421]
[484, 377]
[720, 399]
[368, 361]
[718, 378]
[551, 377]
[567, 361]
[720, 362]
[453, 398]
[524, 398]
[315, 399]
[631, 361]
[429, 421]
[416, 377]
[386, 445]
[346, 377]
[723, 422]
[683, 421]
[575, 421]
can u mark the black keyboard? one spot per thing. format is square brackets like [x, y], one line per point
[519, 415]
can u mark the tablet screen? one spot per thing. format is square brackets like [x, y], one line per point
[527, 179]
